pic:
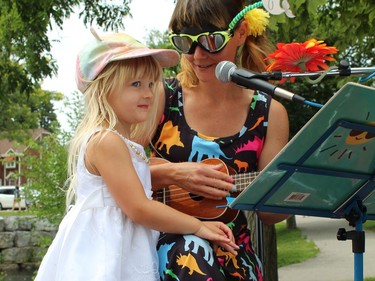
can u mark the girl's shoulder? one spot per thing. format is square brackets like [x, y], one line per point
[104, 139]
[112, 137]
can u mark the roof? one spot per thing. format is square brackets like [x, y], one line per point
[7, 146]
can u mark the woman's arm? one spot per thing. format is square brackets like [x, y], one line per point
[277, 137]
[277, 133]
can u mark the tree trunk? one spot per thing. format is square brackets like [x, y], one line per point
[252, 224]
[291, 222]
[270, 253]
[265, 245]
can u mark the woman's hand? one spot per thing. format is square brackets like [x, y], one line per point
[202, 179]
[219, 234]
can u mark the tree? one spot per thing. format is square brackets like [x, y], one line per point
[331, 21]
[25, 57]
[20, 113]
[47, 173]
[157, 39]
[46, 177]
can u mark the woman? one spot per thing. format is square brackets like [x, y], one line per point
[203, 118]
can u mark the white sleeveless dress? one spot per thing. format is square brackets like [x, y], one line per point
[96, 241]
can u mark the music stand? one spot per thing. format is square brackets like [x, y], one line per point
[326, 170]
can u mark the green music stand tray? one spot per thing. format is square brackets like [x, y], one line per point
[326, 170]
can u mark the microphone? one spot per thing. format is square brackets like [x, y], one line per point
[227, 71]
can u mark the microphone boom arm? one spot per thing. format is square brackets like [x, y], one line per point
[278, 75]
[255, 81]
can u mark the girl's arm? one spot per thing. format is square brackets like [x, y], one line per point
[110, 159]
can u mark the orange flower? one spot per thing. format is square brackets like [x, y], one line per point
[300, 57]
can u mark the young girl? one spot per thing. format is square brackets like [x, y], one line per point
[108, 234]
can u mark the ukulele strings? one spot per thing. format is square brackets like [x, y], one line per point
[180, 195]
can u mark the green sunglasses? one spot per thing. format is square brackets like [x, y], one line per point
[211, 42]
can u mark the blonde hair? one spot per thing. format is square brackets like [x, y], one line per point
[100, 116]
[202, 14]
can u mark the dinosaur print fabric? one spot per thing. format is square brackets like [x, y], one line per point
[187, 257]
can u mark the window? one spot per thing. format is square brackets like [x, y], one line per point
[11, 182]
[10, 165]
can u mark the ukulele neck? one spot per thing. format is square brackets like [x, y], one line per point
[243, 180]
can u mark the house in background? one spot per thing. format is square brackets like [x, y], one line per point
[10, 155]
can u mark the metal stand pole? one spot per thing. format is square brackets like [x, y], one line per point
[356, 218]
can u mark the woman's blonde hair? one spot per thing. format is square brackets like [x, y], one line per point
[99, 115]
[202, 14]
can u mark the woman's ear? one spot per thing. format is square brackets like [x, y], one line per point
[241, 32]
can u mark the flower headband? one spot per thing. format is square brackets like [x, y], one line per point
[257, 19]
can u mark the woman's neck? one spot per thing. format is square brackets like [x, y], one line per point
[216, 111]
[219, 92]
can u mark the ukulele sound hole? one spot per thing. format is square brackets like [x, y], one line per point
[196, 197]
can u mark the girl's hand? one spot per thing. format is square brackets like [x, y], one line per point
[219, 234]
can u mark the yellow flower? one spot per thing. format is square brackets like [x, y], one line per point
[257, 21]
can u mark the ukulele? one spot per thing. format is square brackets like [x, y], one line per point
[199, 206]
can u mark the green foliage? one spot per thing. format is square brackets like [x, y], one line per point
[157, 39]
[20, 112]
[25, 58]
[347, 25]
[295, 29]
[108, 16]
[47, 168]
[292, 247]
[350, 26]
[3, 275]
[46, 175]
[331, 21]
[319, 93]
[74, 109]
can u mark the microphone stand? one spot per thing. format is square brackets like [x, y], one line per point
[343, 69]
[351, 71]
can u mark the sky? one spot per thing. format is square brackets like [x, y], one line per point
[66, 43]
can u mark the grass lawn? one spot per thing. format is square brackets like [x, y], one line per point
[369, 225]
[10, 213]
[292, 247]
